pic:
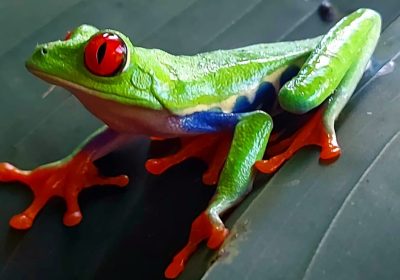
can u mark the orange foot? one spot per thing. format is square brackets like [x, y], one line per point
[212, 148]
[202, 229]
[65, 179]
[312, 133]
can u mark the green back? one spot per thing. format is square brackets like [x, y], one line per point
[182, 82]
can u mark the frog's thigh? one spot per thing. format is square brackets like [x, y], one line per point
[208, 122]
[338, 61]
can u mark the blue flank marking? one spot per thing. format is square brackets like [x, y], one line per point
[288, 74]
[213, 121]
[205, 122]
[265, 94]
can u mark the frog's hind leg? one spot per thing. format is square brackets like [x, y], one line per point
[320, 129]
[250, 138]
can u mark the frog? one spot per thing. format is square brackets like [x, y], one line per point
[140, 92]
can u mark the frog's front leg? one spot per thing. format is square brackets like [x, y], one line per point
[329, 76]
[251, 134]
[66, 178]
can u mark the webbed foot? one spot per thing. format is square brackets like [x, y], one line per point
[312, 133]
[64, 179]
[202, 229]
[211, 148]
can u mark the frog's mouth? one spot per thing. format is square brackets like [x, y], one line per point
[74, 88]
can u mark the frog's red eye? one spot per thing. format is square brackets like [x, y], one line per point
[68, 35]
[105, 54]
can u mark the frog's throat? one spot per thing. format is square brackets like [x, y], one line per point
[120, 116]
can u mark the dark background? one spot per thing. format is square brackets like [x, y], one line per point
[308, 222]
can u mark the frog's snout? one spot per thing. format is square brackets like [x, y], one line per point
[39, 57]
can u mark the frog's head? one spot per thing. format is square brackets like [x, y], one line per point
[92, 62]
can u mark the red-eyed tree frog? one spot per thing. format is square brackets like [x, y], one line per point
[137, 91]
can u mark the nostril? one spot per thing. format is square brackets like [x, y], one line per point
[43, 50]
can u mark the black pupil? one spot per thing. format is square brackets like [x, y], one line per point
[101, 52]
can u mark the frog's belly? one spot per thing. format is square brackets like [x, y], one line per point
[131, 119]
